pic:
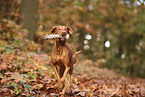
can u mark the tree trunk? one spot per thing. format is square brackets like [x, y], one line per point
[29, 13]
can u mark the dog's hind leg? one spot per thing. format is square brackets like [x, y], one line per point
[61, 71]
[65, 73]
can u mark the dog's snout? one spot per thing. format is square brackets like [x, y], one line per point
[63, 32]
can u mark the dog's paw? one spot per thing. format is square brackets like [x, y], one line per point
[62, 81]
[60, 85]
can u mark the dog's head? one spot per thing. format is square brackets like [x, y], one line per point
[64, 31]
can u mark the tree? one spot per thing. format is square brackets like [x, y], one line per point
[29, 13]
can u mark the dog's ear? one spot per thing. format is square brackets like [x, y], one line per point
[70, 31]
[53, 30]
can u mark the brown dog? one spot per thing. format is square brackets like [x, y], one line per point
[63, 55]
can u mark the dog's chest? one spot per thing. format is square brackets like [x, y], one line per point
[61, 55]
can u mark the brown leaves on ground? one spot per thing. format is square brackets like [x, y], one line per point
[29, 74]
[94, 81]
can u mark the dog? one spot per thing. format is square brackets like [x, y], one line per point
[63, 55]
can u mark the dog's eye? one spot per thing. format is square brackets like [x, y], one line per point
[64, 29]
[58, 29]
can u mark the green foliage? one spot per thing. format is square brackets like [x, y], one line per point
[13, 37]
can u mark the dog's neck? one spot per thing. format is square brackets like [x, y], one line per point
[59, 43]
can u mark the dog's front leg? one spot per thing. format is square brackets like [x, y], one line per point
[60, 84]
[63, 79]
[56, 72]
[69, 83]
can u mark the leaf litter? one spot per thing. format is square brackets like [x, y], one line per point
[35, 77]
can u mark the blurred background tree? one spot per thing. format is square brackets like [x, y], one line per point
[109, 32]
[29, 13]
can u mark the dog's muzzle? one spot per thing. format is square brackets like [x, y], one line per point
[67, 36]
[63, 38]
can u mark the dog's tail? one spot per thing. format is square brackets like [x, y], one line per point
[78, 52]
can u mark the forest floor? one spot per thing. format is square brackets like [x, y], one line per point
[36, 78]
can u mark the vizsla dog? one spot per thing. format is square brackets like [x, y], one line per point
[63, 55]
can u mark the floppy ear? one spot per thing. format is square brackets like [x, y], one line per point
[53, 30]
[70, 31]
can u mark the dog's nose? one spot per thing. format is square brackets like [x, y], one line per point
[63, 32]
